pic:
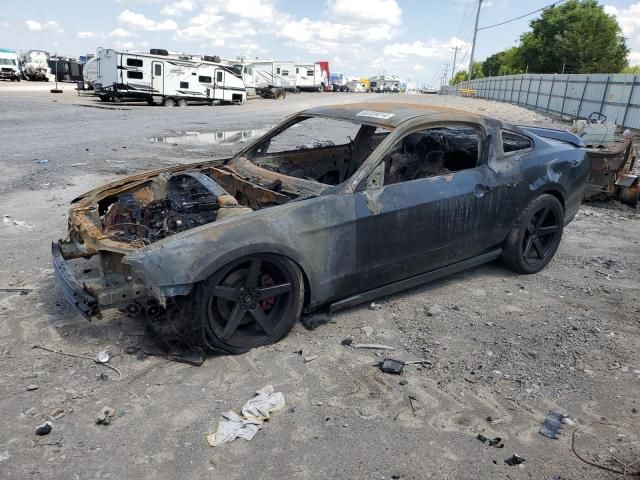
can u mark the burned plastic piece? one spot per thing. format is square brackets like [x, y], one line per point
[493, 442]
[551, 425]
[482, 438]
[389, 365]
[514, 459]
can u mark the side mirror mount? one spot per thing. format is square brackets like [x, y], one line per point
[375, 180]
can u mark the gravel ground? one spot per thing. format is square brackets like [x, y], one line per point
[500, 345]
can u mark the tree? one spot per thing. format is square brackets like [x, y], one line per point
[462, 76]
[635, 69]
[502, 63]
[577, 34]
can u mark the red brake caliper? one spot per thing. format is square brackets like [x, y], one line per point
[267, 281]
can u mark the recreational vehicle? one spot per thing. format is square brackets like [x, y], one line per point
[158, 77]
[356, 86]
[34, 65]
[271, 74]
[90, 72]
[9, 65]
[311, 77]
[66, 69]
[382, 84]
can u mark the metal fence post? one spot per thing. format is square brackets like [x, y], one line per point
[538, 92]
[626, 110]
[528, 91]
[520, 89]
[604, 96]
[553, 80]
[584, 89]
[564, 98]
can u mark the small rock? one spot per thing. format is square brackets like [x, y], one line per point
[346, 342]
[44, 428]
[368, 331]
[32, 387]
[375, 306]
[404, 382]
[105, 416]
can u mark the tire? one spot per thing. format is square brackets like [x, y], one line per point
[169, 102]
[233, 312]
[536, 235]
[182, 102]
[105, 98]
[150, 102]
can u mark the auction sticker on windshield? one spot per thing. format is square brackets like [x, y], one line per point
[372, 113]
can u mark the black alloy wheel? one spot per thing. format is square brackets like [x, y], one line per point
[251, 302]
[535, 238]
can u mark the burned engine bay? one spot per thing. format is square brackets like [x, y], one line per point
[174, 202]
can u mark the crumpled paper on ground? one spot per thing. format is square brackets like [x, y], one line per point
[254, 413]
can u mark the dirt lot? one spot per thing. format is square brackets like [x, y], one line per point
[501, 345]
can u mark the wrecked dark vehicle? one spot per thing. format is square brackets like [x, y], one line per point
[385, 198]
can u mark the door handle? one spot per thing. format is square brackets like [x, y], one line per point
[480, 190]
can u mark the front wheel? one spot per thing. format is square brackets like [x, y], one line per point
[249, 303]
[534, 239]
[169, 102]
[182, 102]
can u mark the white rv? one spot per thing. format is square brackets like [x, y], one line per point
[34, 65]
[356, 85]
[382, 84]
[90, 71]
[310, 77]
[9, 65]
[158, 77]
[274, 74]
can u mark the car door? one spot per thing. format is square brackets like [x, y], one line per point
[415, 226]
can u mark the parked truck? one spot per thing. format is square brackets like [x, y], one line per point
[168, 79]
[9, 69]
[312, 77]
[34, 65]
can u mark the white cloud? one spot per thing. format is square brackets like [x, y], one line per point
[430, 49]
[366, 11]
[209, 27]
[634, 58]
[418, 67]
[121, 33]
[628, 18]
[309, 31]
[124, 46]
[178, 8]
[33, 25]
[138, 20]
[86, 35]
[49, 25]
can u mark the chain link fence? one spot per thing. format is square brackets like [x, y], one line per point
[575, 96]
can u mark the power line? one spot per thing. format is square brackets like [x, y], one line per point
[521, 16]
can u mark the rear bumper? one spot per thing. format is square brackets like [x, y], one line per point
[85, 302]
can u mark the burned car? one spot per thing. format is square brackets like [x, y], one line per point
[335, 206]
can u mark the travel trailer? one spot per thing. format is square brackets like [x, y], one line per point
[356, 86]
[161, 78]
[90, 72]
[9, 69]
[382, 84]
[312, 76]
[274, 74]
[34, 65]
[66, 69]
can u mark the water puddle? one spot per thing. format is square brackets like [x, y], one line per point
[228, 137]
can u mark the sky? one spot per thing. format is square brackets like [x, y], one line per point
[413, 39]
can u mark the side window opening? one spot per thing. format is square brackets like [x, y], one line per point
[204, 79]
[184, 84]
[157, 69]
[513, 142]
[134, 62]
[432, 152]
[219, 76]
[137, 75]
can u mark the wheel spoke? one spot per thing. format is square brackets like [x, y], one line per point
[274, 291]
[527, 246]
[254, 273]
[228, 293]
[545, 231]
[262, 320]
[233, 322]
[542, 216]
[537, 244]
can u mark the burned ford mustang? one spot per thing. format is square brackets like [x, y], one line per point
[335, 206]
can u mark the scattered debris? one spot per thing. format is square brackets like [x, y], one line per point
[103, 376]
[372, 346]
[389, 365]
[44, 428]
[514, 459]
[32, 387]
[102, 357]
[78, 164]
[375, 306]
[482, 438]
[311, 322]
[254, 413]
[105, 416]
[403, 382]
[492, 442]
[495, 421]
[368, 331]
[22, 291]
[310, 358]
[75, 355]
[551, 425]
[42, 161]
[346, 342]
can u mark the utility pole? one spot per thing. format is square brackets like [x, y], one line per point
[473, 45]
[455, 56]
[445, 74]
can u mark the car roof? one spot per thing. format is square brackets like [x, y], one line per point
[386, 114]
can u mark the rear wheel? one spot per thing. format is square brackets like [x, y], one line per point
[535, 238]
[249, 303]
[182, 102]
[105, 98]
[169, 102]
